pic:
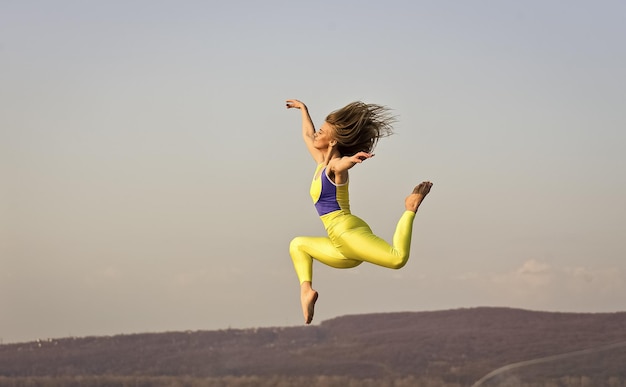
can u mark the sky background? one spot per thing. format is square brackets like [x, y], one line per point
[151, 177]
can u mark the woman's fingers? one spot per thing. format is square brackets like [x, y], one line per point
[293, 103]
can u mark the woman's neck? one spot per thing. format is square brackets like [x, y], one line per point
[331, 153]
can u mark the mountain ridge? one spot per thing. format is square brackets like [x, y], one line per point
[457, 345]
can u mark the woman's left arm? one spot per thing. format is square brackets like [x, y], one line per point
[339, 167]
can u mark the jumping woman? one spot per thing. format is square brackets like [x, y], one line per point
[347, 137]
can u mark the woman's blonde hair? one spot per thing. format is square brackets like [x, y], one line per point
[358, 126]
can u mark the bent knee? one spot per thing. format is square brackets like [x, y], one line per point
[398, 263]
[295, 244]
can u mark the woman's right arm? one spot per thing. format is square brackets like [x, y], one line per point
[308, 129]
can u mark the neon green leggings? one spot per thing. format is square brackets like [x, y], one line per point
[351, 242]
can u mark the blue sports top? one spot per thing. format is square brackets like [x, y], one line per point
[327, 196]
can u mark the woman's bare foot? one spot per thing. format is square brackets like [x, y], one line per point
[308, 297]
[416, 197]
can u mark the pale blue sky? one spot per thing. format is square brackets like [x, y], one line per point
[152, 178]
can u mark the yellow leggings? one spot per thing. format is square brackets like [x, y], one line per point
[350, 242]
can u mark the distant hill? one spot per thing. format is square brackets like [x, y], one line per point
[444, 348]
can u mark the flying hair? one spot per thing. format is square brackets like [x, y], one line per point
[358, 126]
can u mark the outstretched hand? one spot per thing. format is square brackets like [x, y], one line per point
[295, 104]
[360, 157]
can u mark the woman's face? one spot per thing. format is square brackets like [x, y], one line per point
[324, 136]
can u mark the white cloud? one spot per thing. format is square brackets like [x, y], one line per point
[538, 285]
[604, 281]
[529, 278]
[534, 267]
